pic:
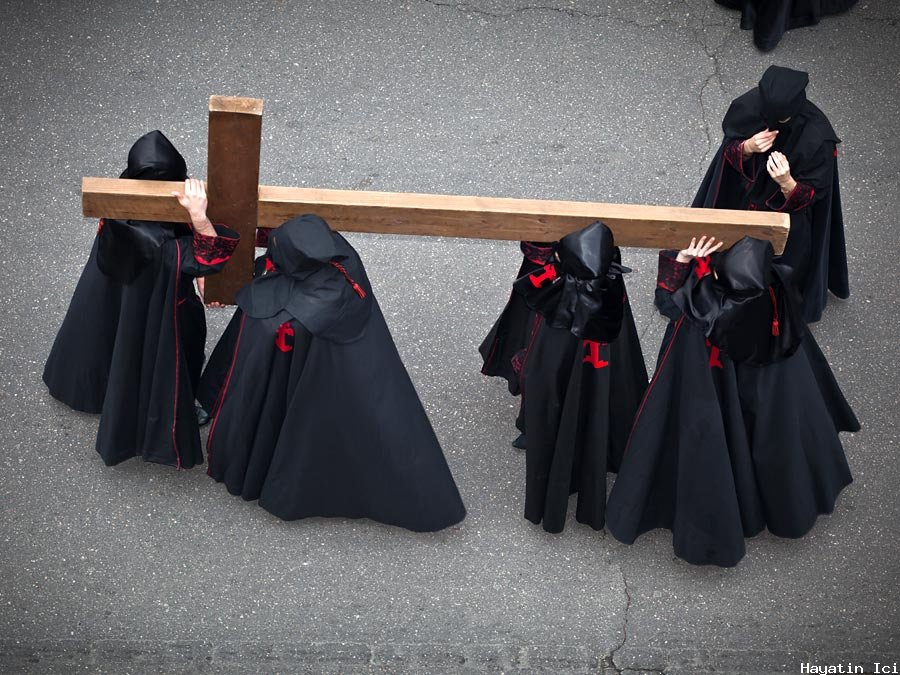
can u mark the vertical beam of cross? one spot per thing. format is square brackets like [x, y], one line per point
[235, 135]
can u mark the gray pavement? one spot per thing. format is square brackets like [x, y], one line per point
[141, 569]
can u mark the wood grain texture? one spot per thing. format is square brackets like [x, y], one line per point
[635, 225]
[235, 136]
[454, 216]
[236, 104]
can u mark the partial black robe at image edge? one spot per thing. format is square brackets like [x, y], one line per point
[773, 19]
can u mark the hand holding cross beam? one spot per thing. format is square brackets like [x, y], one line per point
[237, 200]
[194, 201]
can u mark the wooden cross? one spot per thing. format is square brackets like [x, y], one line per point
[237, 200]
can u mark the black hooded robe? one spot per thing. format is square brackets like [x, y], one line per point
[721, 450]
[131, 346]
[317, 415]
[770, 19]
[510, 333]
[583, 376]
[219, 362]
[815, 249]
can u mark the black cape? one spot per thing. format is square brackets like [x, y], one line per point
[583, 376]
[770, 19]
[815, 249]
[131, 346]
[316, 415]
[509, 334]
[722, 449]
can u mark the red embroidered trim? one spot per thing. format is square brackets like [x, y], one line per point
[734, 155]
[671, 273]
[220, 400]
[801, 197]
[653, 380]
[356, 287]
[177, 359]
[702, 267]
[212, 251]
[262, 237]
[285, 331]
[538, 279]
[100, 226]
[775, 329]
[593, 355]
[714, 360]
[521, 358]
[270, 266]
[539, 255]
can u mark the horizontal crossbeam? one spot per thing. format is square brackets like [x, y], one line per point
[642, 226]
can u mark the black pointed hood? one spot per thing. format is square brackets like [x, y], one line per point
[582, 290]
[744, 303]
[153, 157]
[318, 279]
[125, 247]
[782, 95]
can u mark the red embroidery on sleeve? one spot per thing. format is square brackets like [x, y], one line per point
[671, 273]
[285, 331]
[734, 155]
[801, 197]
[213, 251]
[539, 255]
[100, 227]
[270, 266]
[593, 355]
[538, 279]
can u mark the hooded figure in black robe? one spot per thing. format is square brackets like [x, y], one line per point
[583, 376]
[815, 248]
[317, 415]
[509, 334]
[769, 19]
[131, 346]
[738, 430]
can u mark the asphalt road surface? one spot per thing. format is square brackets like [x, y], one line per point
[140, 568]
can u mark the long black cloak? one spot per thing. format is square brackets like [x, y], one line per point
[815, 248]
[131, 346]
[509, 334]
[317, 415]
[721, 449]
[770, 19]
[583, 376]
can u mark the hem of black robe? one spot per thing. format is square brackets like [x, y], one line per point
[163, 461]
[450, 521]
[821, 510]
[77, 407]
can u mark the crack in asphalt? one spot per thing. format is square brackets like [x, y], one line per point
[571, 12]
[611, 659]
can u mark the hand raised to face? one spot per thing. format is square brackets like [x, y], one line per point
[761, 142]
